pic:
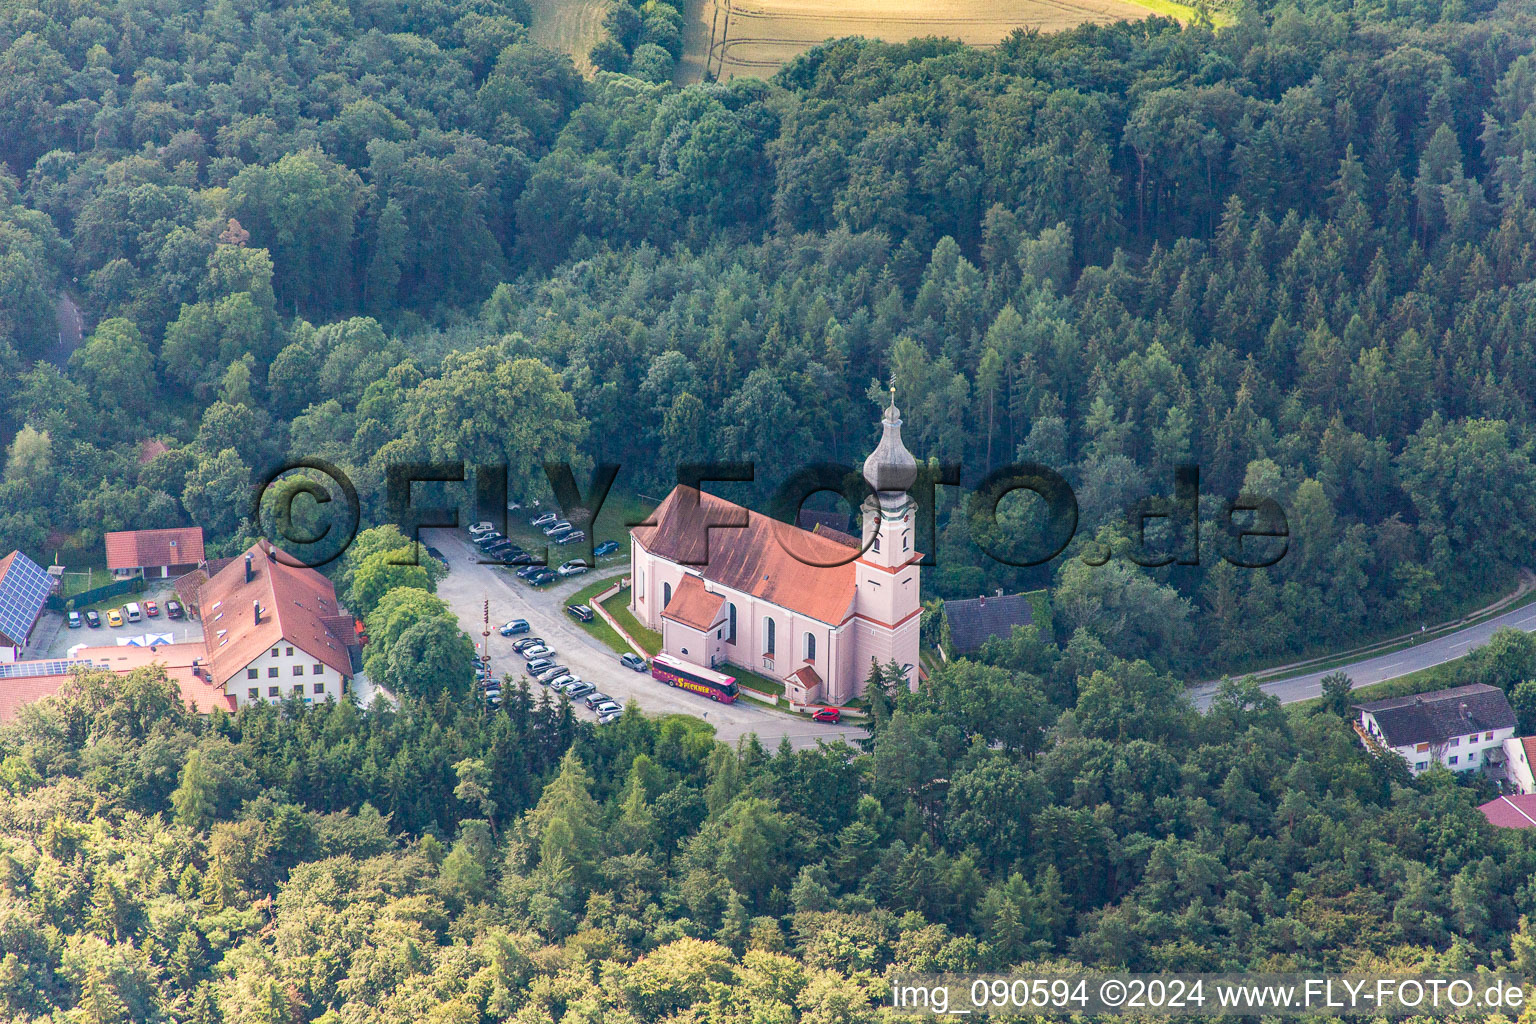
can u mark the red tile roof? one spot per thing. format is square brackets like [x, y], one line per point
[295, 603]
[847, 540]
[135, 549]
[779, 563]
[177, 659]
[1517, 811]
[694, 606]
[806, 676]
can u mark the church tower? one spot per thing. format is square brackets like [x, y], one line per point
[888, 608]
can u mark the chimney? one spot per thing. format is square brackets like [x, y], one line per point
[983, 601]
[247, 567]
[999, 591]
[256, 610]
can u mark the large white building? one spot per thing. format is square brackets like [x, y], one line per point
[1463, 728]
[812, 609]
[274, 631]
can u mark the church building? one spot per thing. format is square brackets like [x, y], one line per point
[813, 609]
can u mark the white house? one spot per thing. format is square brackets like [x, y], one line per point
[813, 609]
[1519, 757]
[1463, 728]
[274, 631]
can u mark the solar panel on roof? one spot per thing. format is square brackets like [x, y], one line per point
[23, 590]
[29, 669]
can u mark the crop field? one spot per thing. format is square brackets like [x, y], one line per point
[568, 26]
[754, 37]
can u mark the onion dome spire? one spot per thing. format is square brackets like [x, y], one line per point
[890, 469]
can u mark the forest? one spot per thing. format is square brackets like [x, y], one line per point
[440, 862]
[1298, 251]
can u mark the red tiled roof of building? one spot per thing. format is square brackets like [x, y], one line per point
[694, 606]
[295, 603]
[847, 540]
[134, 549]
[178, 659]
[1516, 811]
[806, 676]
[779, 563]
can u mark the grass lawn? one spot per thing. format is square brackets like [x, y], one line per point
[618, 511]
[597, 627]
[79, 580]
[747, 677]
[1184, 14]
[618, 607]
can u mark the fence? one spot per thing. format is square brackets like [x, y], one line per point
[132, 585]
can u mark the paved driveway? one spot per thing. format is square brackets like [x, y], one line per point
[469, 585]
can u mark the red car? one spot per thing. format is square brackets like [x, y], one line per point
[151, 609]
[827, 714]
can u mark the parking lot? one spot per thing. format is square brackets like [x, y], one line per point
[53, 638]
[469, 585]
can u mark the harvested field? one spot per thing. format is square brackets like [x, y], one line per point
[725, 38]
[568, 26]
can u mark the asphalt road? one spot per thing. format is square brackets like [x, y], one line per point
[71, 329]
[469, 585]
[1382, 667]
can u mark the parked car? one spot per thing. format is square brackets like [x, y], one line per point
[543, 578]
[575, 567]
[536, 651]
[606, 707]
[132, 612]
[827, 714]
[526, 642]
[115, 617]
[151, 609]
[491, 683]
[606, 548]
[173, 610]
[524, 558]
[579, 689]
[74, 620]
[538, 665]
[486, 541]
[432, 552]
[579, 611]
[564, 683]
[514, 506]
[92, 619]
[547, 675]
[597, 697]
[529, 570]
[633, 661]
[482, 527]
[543, 520]
[514, 627]
[605, 717]
[574, 537]
[556, 528]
